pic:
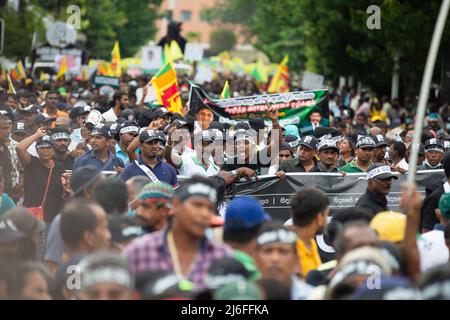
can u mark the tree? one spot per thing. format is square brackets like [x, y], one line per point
[221, 40]
[19, 29]
[139, 26]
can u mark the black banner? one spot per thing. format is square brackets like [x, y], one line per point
[275, 194]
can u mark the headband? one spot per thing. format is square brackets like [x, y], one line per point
[107, 274]
[277, 236]
[198, 189]
[129, 129]
[60, 135]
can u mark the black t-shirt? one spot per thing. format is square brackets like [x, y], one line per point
[428, 212]
[260, 163]
[67, 163]
[35, 182]
[6, 165]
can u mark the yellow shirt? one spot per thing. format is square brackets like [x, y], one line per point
[59, 113]
[309, 260]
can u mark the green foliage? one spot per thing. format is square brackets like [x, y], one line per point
[221, 40]
[19, 29]
[332, 38]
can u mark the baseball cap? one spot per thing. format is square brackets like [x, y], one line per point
[149, 135]
[380, 141]
[128, 126]
[31, 109]
[44, 142]
[101, 130]
[244, 213]
[286, 146]
[9, 232]
[158, 192]
[380, 171]
[256, 123]
[242, 126]
[83, 177]
[434, 145]
[83, 110]
[43, 118]
[225, 270]
[328, 144]
[19, 127]
[239, 290]
[160, 112]
[239, 136]
[413, 147]
[58, 133]
[309, 142]
[389, 225]
[365, 142]
[25, 222]
[444, 205]
[291, 140]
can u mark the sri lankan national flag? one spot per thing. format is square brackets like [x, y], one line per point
[116, 66]
[280, 81]
[166, 87]
[19, 71]
[62, 69]
[226, 91]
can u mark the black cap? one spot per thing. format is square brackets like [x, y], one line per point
[46, 141]
[286, 146]
[128, 126]
[224, 271]
[256, 123]
[101, 130]
[242, 126]
[82, 177]
[421, 148]
[292, 140]
[43, 118]
[327, 144]
[380, 141]
[217, 125]
[149, 135]
[19, 127]
[434, 145]
[160, 112]
[365, 142]
[25, 221]
[309, 142]
[31, 109]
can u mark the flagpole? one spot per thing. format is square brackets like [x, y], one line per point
[425, 88]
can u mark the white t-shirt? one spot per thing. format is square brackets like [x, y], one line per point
[110, 116]
[191, 166]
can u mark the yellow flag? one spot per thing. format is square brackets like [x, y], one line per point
[62, 69]
[167, 54]
[175, 51]
[226, 91]
[115, 61]
[11, 88]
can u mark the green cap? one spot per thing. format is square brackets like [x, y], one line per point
[444, 205]
[239, 290]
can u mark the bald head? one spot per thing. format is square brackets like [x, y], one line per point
[355, 235]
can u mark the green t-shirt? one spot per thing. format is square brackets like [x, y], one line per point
[351, 167]
[6, 203]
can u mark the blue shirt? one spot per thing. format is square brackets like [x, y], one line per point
[89, 158]
[163, 171]
[124, 156]
[6, 203]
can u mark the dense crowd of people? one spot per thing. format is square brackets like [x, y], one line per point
[108, 197]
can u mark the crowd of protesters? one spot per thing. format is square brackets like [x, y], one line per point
[108, 197]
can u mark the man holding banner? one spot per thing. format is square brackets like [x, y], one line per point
[379, 181]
